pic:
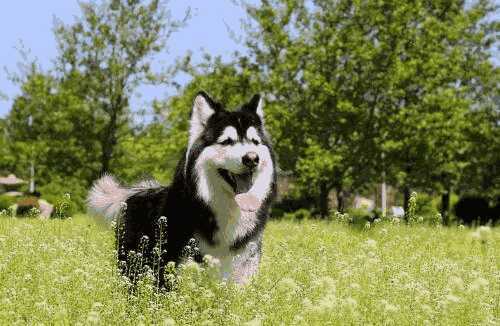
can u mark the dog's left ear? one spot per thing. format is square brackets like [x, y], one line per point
[203, 108]
[255, 106]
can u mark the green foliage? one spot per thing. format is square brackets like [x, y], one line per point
[61, 140]
[312, 273]
[298, 215]
[359, 218]
[340, 217]
[147, 153]
[318, 166]
[6, 202]
[355, 92]
[481, 174]
[120, 38]
[425, 205]
[64, 207]
[80, 113]
[59, 186]
[364, 87]
[410, 213]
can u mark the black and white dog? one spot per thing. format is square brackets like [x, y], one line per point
[220, 196]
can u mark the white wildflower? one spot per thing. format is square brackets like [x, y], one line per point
[452, 298]
[168, 322]
[257, 321]
[478, 284]
[211, 261]
[355, 286]
[457, 282]
[326, 303]
[93, 317]
[350, 302]
[371, 244]
[287, 285]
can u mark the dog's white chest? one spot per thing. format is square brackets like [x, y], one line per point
[233, 224]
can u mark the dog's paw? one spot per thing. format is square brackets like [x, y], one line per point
[247, 202]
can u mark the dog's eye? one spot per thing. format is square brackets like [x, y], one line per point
[228, 141]
[255, 141]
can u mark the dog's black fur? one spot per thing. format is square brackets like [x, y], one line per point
[186, 214]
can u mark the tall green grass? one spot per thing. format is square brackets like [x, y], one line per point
[312, 273]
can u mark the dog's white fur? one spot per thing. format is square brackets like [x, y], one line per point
[228, 133]
[107, 195]
[236, 214]
[233, 217]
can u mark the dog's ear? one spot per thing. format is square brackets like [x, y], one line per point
[255, 106]
[203, 108]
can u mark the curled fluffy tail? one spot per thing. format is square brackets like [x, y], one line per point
[106, 197]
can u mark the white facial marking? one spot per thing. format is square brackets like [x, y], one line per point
[252, 134]
[228, 133]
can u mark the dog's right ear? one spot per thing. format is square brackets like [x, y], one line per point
[203, 108]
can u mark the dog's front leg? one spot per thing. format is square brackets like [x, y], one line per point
[246, 263]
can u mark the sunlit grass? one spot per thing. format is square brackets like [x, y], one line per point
[63, 272]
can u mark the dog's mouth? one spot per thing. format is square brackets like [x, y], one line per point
[241, 183]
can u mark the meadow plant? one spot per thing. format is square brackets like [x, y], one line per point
[436, 219]
[312, 273]
[410, 215]
[33, 212]
[340, 217]
[64, 207]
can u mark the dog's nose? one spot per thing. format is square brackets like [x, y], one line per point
[251, 159]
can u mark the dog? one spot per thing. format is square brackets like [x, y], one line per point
[217, 204]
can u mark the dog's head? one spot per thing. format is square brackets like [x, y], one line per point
[228, 147]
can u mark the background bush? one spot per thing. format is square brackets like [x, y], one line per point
[298, 215]
[6, 202]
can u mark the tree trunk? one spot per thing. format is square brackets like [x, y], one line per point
[340, 200]
[323, 200]
[445, 206]
[406, 194]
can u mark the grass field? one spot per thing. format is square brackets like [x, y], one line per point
[313, 273]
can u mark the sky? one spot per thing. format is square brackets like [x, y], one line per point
[31, 22]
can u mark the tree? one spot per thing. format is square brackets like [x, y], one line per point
[7, 159]
[317, 59]
[481, 172]
[426, 90]
[110, 47]
[363, 87]
[52, 127]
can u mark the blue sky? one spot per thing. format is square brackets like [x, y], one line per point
[31, 22]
